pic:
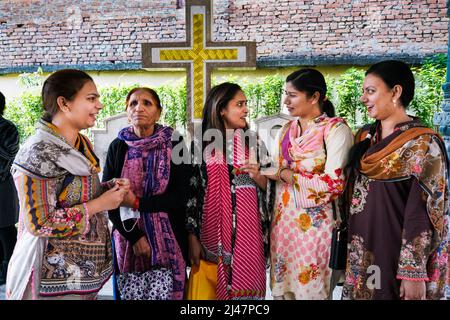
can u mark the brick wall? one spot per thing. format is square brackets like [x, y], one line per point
[106, 34]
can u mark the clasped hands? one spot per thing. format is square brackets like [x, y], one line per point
[123, 184]
[141, 248]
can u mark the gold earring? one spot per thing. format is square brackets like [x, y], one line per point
[395, 103]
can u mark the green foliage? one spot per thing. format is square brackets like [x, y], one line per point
[428, 94]
[264, 97]
[24, 111]
[31, 80]
[173, 101]
[344, 92]
[113, 101]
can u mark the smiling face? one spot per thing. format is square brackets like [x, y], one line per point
[142, 110]
[297, 102]
[235, 113]
[82, 111]
[378, 98]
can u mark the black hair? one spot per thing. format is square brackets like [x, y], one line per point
[310, 81]
[2, 103]
[217, 100]
[63, 83]
[393, 73]
[149, 91]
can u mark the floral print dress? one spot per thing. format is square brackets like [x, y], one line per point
[398, 222]
[303, 218]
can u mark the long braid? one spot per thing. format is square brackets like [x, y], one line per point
[359, 149]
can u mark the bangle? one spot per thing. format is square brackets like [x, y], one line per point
[136, 204]
[278, 174]
[281, 178]
[86, 221]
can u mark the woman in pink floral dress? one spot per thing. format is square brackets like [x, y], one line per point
[312, 152]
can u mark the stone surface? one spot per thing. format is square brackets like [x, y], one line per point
[103, 137]
[267, 128]
[107, 292]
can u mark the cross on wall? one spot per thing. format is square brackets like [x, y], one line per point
[199, 55]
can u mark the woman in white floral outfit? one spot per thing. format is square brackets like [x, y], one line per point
[311, 155]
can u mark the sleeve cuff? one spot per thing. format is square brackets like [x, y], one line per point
[412, 279]
[86, 219]
[412, 275]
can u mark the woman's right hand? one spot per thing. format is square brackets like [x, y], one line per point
[109, 200]
[195, 250]
[112, 198]
[141, 248]
[413, 290]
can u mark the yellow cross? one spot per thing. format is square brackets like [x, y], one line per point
[199, 55]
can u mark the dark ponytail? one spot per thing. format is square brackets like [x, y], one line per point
[358, 150]
[328, 108]
[311, 81]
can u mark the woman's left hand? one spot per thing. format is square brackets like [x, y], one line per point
[413, 290]
[122, 182]
[141, 248]
[252, 170]
[254, 173]
[129, 200]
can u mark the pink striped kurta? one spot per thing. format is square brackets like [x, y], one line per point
[303, 219]
[241, 265]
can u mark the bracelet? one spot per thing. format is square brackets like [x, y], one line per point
[86, 221]
[136, 204]
[281, 178]
[278, 174]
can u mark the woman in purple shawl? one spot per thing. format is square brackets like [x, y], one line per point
[148, 229]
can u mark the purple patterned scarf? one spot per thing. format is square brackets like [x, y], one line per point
[147, 166]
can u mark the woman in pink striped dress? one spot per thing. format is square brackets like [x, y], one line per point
[227, 216]
[311, 155]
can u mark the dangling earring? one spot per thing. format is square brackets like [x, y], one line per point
[395, 103]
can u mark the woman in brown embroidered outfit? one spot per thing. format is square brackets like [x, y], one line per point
[398, 230]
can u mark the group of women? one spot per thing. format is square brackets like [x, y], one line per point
[225, 209]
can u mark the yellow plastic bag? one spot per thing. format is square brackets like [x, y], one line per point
[202, 281]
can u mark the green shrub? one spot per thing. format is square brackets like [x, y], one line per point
[345, 92]
[113, 101]
[264, 97]
[428, 94]
[24, 111]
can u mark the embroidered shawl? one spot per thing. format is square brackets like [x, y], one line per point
[414, 151]
[147, 166]
[61, 251]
